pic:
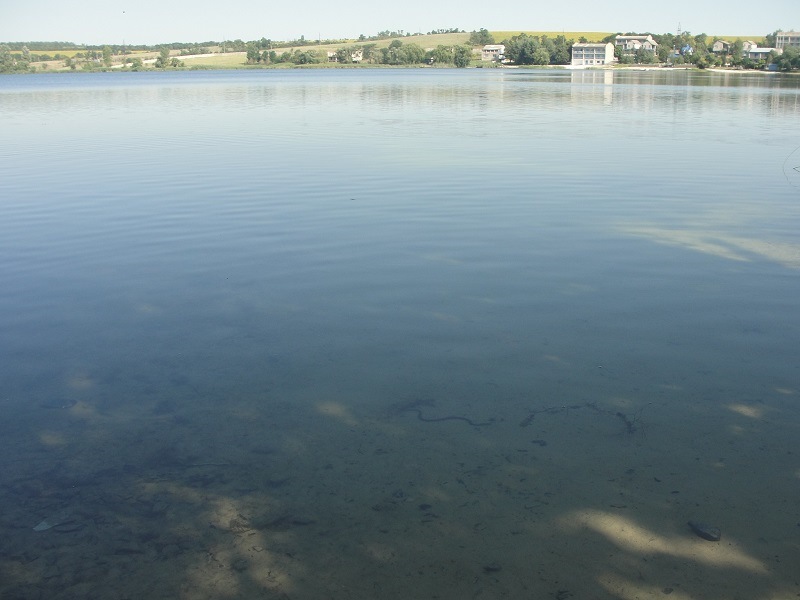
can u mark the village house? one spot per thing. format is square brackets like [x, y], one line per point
[592, 55]
[356, 56]
[631, 43]
[756, 53]
[493, 52]
[787, 39]
[721, 47]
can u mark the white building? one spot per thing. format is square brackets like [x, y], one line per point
[493, 52]
[785, 39]
[592, 55]
[632, 43]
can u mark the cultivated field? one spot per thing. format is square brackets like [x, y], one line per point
[592, 36]
[426, 41]
[596, 36]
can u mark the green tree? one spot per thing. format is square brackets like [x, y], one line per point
[481, 38]
[253, 55]
[701, 56]
[462, 56]
[644, 56]
[700, 41]
[413, 54]
[520, 49]
[305, 57]
[561, 53]
[442, 55]
[107, 56]
[10, 63]
[737, 51]
[789, 60]
[770, 39]
[162, 62]
[6, 60]
[368, 51]
[344, 56]
[541, 56]
[398, 53]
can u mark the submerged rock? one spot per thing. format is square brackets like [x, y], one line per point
[706, 531]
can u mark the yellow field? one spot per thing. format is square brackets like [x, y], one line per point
[732, 38]
[229, 60]
[426, 41]
[68, 53]
[430, 41]
[596, 36]
[592, 36]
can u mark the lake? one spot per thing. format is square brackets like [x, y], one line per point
[486, 333]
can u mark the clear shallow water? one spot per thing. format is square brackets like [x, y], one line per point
[259, 287]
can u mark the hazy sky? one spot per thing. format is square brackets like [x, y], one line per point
[158, 21]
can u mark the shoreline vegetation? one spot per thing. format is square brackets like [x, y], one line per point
[442, 48]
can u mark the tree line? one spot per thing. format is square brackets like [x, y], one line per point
[524, 49]
[396, 53]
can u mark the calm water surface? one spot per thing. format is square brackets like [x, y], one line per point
[429, 334]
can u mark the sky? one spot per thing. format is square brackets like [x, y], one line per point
[161, 21]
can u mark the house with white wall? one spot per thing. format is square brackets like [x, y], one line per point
[493, 52]
[756, 53]
[787, 39]
[721, 47]
[592, 55]
[631, 43]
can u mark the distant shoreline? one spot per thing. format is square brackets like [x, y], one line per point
[213, 55]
